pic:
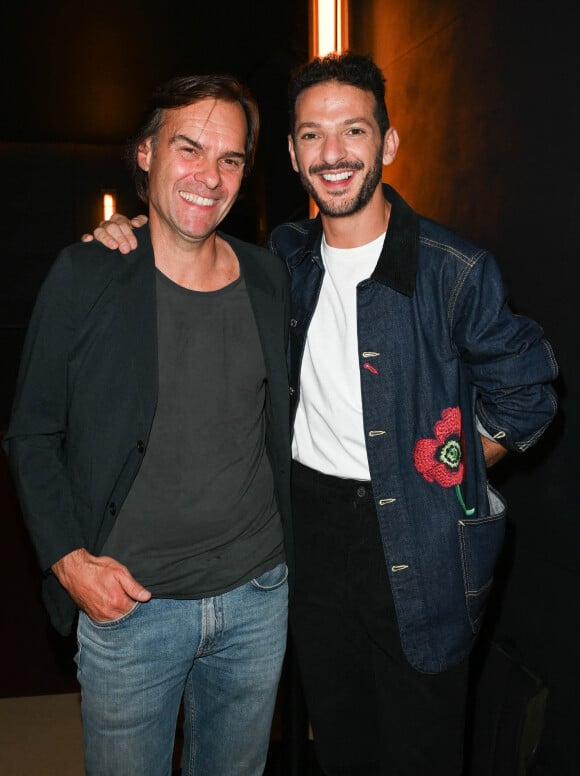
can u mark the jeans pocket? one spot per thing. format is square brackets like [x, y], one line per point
[272, 579]
[117, 621]
[481, 540]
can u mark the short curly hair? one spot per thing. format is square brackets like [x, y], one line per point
[353, 69]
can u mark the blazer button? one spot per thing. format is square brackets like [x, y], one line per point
[113, 508]
[140, 446]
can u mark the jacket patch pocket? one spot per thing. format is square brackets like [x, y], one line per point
[481, 540]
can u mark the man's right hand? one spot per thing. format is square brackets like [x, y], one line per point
[117, 232]
[100, 586]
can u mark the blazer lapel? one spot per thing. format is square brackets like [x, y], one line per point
[267, 310]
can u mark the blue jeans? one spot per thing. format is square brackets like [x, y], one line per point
[222, 655]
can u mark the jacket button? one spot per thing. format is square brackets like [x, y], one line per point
[113, 508]
[140, 446]
[293, 323]
[291, 391]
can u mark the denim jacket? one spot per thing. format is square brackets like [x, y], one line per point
[441, 356]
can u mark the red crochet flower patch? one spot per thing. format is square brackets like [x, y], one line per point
[439, 459]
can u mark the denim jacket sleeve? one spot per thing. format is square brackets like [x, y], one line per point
[510, 363]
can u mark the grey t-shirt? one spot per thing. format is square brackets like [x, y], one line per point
[201, 517]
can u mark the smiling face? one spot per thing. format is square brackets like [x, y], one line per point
[195, 165]
[337, 147]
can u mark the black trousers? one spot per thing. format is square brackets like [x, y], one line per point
[370, 711]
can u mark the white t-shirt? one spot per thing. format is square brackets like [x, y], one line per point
[329, 431]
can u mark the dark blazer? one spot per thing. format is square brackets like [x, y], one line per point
[87, 392]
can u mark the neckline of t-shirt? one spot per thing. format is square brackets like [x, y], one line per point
[191, 291]
[370, 247]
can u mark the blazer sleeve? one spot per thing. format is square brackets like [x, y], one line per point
[37, 431]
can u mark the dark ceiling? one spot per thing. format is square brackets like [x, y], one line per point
[81, 72]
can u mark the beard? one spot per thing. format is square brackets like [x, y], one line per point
[345, 207]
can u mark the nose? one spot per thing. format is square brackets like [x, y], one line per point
[209, 173]
[333, 149]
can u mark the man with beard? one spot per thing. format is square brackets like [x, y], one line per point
[409, 376]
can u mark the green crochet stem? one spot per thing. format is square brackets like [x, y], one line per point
[467, 511]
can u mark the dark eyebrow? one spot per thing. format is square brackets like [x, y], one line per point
[307, 125]
[359, 120]
[346, 123]
[188, 140]
[196, 144]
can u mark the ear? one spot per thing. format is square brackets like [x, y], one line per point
[292, 154]
[390, 145]
[144, 153]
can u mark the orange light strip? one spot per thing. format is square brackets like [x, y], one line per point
[328, 26]
[109, 205]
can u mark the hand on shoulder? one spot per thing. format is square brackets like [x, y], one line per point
[117, 232]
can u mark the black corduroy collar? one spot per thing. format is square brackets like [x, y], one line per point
[397, 264]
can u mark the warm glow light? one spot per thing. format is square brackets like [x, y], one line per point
[328, 26]
[109, 205]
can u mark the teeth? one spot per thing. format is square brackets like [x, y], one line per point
[195, 199]
[337, 176]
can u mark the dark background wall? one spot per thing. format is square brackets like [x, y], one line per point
[485, 96]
